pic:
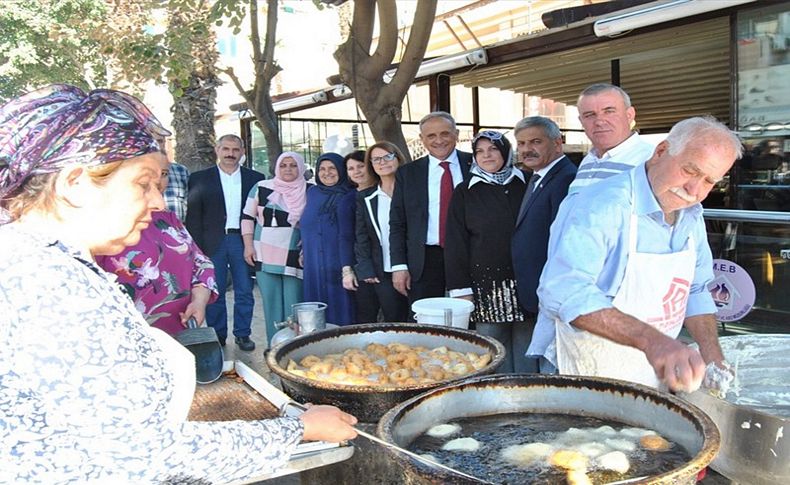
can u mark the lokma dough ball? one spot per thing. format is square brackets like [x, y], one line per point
[654, 442]
[462, 444]
[569, 460]
[620, 444]
[443, 430]
[615, 461]
[578, 477]
[525, 455]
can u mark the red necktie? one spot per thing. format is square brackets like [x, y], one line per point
[445, 193]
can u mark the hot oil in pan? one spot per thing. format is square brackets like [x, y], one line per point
[497, 432]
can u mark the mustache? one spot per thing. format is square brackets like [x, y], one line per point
[680, 192]
[530, 155]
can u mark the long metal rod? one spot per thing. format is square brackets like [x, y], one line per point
[397, 448]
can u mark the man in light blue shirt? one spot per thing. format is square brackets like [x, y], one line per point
[583, 284]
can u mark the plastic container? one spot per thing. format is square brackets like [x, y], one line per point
[432, 311]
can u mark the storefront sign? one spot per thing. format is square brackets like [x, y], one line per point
[732, 290]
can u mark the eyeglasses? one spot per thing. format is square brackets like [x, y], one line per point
[489, 135]
[384, 158]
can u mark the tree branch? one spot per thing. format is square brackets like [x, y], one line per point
[243, 92]
[362, 25]
[255, 36]
[419, 35]
[388, 35]
[270, 68]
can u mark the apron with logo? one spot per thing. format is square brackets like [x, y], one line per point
[655, 290]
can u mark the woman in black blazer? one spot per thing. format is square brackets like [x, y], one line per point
[372, 230]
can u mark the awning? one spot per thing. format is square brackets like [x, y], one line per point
[670, 74]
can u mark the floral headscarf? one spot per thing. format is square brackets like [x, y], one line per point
[48, 129]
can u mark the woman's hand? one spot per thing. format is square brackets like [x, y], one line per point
[249, 255]
[197, 305]
[249, 250]
[349, 279]
[327, 423]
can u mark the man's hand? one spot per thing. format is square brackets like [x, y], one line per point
[327, 423]
[401, 281]
[679, 366]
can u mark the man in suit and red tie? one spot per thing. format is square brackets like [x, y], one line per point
[539, 146]
[215, 198]
[420, 202]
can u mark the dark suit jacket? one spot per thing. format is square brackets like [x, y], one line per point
[206, 206]
[409, 213]
[531, 237]
[367, 243]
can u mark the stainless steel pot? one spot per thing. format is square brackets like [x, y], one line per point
[368, 403]
[608, 399]
[754, 448]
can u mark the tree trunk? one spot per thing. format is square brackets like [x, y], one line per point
[193, 121]
[194, 105]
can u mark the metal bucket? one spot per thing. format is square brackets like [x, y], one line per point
[310, 315]
[204, 345]
[755, 417]
[608, 399]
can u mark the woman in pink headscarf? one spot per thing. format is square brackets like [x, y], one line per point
[272, 239]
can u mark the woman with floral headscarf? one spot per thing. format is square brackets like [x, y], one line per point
[328, 239]
[166, 274]
[89, 392]
[480, 225]
[272, 237]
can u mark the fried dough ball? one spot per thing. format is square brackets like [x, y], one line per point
[298, 372]
[569, 460]
[323, 367]
[436, 373]
[354, 369]
[397, 358]
[377, 350]
[411, 381]
[292, 366]
[400, 375]
[578, 477]
[310, 361]
[654, 442]
[398, 347]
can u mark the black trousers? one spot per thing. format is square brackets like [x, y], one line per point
[367, 303]
[394, 305]
[431, 283]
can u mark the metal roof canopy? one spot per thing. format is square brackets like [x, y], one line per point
[671, 73]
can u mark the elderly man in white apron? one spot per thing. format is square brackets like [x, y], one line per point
[633, 264]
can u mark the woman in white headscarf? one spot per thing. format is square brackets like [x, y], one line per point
[272, 237]
[477, 255]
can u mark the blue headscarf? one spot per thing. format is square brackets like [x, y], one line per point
[335, 192]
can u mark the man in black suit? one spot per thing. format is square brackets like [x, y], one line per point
[214, 203]
[418, 213]
[539, 146]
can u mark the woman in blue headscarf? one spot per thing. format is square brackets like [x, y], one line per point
[328, 239]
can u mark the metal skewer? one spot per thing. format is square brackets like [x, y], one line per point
[397, 448]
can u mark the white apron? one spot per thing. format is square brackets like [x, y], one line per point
[655, 290]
